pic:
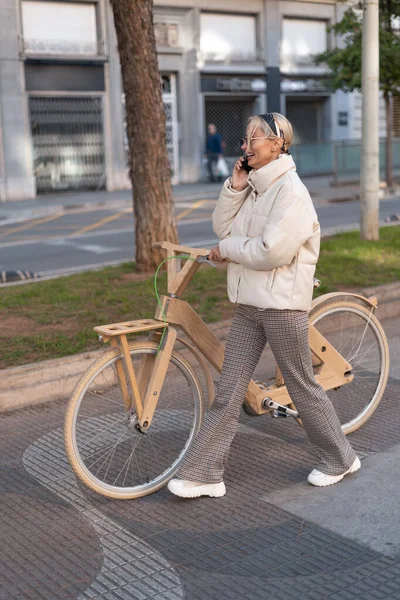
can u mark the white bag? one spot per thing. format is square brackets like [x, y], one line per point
[222, 167]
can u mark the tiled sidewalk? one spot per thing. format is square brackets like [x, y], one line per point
[60, 541]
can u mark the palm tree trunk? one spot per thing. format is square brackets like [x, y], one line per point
[148, 160]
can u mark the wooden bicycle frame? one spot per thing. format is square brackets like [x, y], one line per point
[332, 370]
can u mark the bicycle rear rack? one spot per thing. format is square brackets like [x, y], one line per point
[117, 329]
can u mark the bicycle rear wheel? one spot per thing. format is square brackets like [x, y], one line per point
[355, 332]
[104, 447]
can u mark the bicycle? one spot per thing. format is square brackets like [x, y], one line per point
[135, 412]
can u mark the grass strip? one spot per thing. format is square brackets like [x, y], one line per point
[55, 318]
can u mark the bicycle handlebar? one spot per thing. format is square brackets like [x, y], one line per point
[177, 248]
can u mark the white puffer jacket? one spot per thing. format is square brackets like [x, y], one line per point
[271, 235]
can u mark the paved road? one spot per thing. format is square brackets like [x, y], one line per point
[82, 239]
[272, 537]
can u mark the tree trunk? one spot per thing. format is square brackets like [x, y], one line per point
[389, 140]
[145, 116]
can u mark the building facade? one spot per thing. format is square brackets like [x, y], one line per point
[61, 98]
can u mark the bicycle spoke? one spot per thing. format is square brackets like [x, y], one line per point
[362, 370]
[128, 460]
[372, 377]
[112, 452]
[101, 395]
[361, 340]
[349, 339]
[122, 468]
[152, 447]
[161, 410]
[137, 464]
[363, 356]
[100, 433]
[341, 334]
[352, 332]
[105, 450]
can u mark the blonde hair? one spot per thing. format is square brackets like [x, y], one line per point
[257, 122]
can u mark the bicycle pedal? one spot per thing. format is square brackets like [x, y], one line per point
[278, 410]
[275, 414]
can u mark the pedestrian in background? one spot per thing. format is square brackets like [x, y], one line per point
[214, 150]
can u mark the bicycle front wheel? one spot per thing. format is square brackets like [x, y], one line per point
[104, 447]
[355, 332]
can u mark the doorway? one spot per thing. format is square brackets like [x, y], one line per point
[307, 118]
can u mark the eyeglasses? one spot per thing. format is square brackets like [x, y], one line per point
[247, 141]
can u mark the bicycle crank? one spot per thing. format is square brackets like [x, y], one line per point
[278, 410]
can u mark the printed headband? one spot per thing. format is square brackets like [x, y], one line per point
[269, 119]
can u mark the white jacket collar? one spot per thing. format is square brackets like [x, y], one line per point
[261, 179]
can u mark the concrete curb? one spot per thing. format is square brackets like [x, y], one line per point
[49, 380]
[388, 299]
[42, 382]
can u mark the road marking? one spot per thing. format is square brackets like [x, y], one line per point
[95, 248]
[188, 211]
[114, 263]
[31, 224]
[91, 267]
[106, 232]
[98, 223]
[63, 227]
[66, 271]
[325, 231]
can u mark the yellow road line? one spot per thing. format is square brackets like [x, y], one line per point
[63, 227]
[32, 224]
[188, 211]
[98, 223]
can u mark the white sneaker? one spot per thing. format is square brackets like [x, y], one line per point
[194, 489]
[322, 479]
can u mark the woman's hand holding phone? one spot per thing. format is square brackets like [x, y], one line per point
[239, 175]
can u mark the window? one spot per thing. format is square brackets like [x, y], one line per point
[301, 39]
[227, 37]
[59, 27]
[166, 34]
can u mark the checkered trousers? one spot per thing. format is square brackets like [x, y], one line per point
[287, 333]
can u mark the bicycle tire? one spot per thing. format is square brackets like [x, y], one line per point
[343, 306]
[75, 455]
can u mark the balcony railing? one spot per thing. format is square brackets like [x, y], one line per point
[233, 56]
[34, 47]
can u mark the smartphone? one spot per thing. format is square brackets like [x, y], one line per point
[245, 164]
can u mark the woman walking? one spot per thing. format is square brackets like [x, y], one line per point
[270, 235]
